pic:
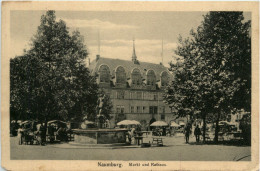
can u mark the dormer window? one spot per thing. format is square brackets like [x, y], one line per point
[151, 78]
[104, 74]
[136, 76]
[120, 75]
[164, 78]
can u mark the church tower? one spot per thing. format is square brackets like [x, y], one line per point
[134, 57]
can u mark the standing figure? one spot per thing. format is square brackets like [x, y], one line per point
[132, 134]
[164, 131]
[100, 103]
[187, 132]
[100, 118]
[42, 133]
[20, 135]
[51, 133]
[197, 133]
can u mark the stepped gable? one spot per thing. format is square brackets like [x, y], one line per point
[128, 66]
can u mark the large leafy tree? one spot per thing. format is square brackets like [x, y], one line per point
[213, 74]
[50, 81]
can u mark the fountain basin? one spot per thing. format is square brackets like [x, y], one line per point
[100, 136]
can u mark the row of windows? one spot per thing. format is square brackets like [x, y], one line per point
[136, 95]
[120, 74]
[120, 109]
[140, 109]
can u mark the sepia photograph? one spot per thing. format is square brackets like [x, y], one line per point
[136, 86]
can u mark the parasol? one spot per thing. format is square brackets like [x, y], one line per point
[128, 122]
[25, 122]
[56, 121]
[181, 123]
[174, 124]
[136, 122]
[159, 123]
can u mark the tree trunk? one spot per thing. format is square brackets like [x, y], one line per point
[217, 128]
[204, 128]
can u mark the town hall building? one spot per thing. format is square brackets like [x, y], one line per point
[135, 88]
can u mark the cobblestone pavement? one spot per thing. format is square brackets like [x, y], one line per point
[174, 149]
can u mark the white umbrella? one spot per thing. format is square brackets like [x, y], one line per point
[181, 123]
[25, 122]
[56, 121]
[125, 122]
[159, 123]
[135, 122]
[128, 122]
[174, 124]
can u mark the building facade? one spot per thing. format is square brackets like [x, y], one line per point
[135, 88]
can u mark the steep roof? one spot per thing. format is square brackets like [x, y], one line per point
[128, 66]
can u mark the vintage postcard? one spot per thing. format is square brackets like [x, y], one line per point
[130, 85]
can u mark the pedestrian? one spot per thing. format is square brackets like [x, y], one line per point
[164, 131]
[129, 136]
[51, 133]
[197, 133]
[187, 132]
[20, 135]
[42, 133]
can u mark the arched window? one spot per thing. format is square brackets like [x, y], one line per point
[164, 78]
[151, 78]
[136, 76]
[120, 75]
[104, 74]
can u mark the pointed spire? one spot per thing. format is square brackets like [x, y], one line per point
[98, 42]
[162, 51]
[134, 58]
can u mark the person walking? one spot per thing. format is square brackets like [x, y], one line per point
[197, 133]
[187, 132]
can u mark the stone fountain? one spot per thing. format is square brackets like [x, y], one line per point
[91, 135]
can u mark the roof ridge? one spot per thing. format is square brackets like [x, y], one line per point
[130, 61]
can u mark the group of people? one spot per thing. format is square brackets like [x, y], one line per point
[188, 132]
[159, 131]
[28, 134]
[33, 133]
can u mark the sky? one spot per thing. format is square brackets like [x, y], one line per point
[116, 32]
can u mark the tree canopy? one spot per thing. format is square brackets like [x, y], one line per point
[51, 81]
[213, 72]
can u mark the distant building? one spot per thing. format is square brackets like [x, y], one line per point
[135, 88]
